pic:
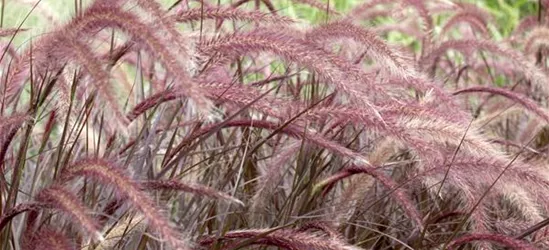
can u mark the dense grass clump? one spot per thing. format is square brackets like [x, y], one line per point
[394, 124]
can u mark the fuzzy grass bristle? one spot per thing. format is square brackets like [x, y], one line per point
[303, 124]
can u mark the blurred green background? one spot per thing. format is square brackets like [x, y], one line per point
[506, 13]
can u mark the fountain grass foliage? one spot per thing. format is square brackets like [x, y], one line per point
[262, 124]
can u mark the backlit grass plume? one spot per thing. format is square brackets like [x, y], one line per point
[379, 124]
